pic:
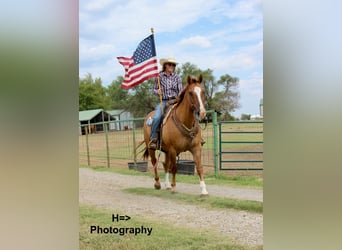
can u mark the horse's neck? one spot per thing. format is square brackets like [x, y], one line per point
[185, 114]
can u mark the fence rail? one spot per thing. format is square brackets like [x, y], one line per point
[229, 145]
[117, 147]
[241, 142]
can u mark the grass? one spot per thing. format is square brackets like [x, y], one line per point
[163, 236]
[208, 202]
[237, 181]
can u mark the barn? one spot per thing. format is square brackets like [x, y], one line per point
[121, 116]
[89, 117]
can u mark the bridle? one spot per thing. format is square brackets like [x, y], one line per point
[189, 132]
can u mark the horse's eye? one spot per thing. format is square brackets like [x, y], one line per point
[190, 93]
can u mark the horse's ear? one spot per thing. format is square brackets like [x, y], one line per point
[200, 78]
[188, 79]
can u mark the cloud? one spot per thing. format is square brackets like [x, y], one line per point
[198, 41]
[97, 5]
[245, 9]
[95, 52]
[253, 85]
[232, 42]
[134, 18]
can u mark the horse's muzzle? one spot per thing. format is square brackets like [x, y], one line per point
[202, 114]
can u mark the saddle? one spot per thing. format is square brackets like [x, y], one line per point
[167, 111]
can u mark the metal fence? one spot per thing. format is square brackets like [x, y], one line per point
[241, 145]
[115, 145]
[229, 145]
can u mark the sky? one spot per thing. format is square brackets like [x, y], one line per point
[222, 35]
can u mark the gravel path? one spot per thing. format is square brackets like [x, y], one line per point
[103, 189]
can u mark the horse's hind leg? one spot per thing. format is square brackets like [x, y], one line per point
[174, 171]
[155, 167]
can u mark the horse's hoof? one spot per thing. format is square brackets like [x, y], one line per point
[157, 186]
[204, 195]
[168, 188]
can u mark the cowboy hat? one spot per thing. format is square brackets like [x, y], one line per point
[170, 59]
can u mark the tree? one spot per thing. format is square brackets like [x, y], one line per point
[221, 96]
[187, 69]
[209, 84]
[224, 101]
[117, 95]
[92, 95]
[142, 100]
[245, 117]
[227, 100]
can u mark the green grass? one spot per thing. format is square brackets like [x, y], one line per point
[163, 236]
[238, 181]
[208, 202]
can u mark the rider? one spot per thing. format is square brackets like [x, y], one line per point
[170, 88]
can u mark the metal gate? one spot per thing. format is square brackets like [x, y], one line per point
[241, 145]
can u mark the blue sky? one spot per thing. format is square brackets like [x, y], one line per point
[225, 36]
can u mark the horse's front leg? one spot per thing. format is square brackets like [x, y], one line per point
[166, 168]
[197, 159]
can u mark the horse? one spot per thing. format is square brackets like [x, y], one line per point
[180, 132]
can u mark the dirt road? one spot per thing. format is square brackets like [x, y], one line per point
[103, 189]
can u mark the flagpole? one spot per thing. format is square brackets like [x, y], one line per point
[160, 95]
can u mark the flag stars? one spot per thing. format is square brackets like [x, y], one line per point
[142, 65]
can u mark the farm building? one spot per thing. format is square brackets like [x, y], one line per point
[89, 117]
[121, 115]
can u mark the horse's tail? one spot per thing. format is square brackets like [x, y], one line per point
[146, 154]
[139, 144]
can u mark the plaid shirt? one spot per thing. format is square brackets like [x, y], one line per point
[171, 85]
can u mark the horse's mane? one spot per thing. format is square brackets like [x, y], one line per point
[182, 94]
[191, 79]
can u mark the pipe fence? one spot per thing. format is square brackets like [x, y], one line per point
[114, 146]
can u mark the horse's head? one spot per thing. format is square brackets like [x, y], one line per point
[196, 95]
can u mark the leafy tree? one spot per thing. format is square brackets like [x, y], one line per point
[92, 95]
[245, 116]
[210, 87]
[209, 84]
[224, 101]
[221, 95]
[142, 100]
[117, 95]
[227, 100]
[187, 69]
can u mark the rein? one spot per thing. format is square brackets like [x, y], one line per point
[189, 132]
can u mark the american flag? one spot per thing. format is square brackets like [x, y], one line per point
[142, 65]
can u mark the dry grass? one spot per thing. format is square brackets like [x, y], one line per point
[121, 149]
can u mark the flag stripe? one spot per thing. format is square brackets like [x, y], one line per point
[152, 71]
[138, 73]
[142, 65]
[141, 76]
[136, 69]
[134, 83]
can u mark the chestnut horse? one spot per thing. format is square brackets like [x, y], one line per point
[180, 132]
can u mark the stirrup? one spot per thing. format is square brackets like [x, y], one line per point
[153, 144]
